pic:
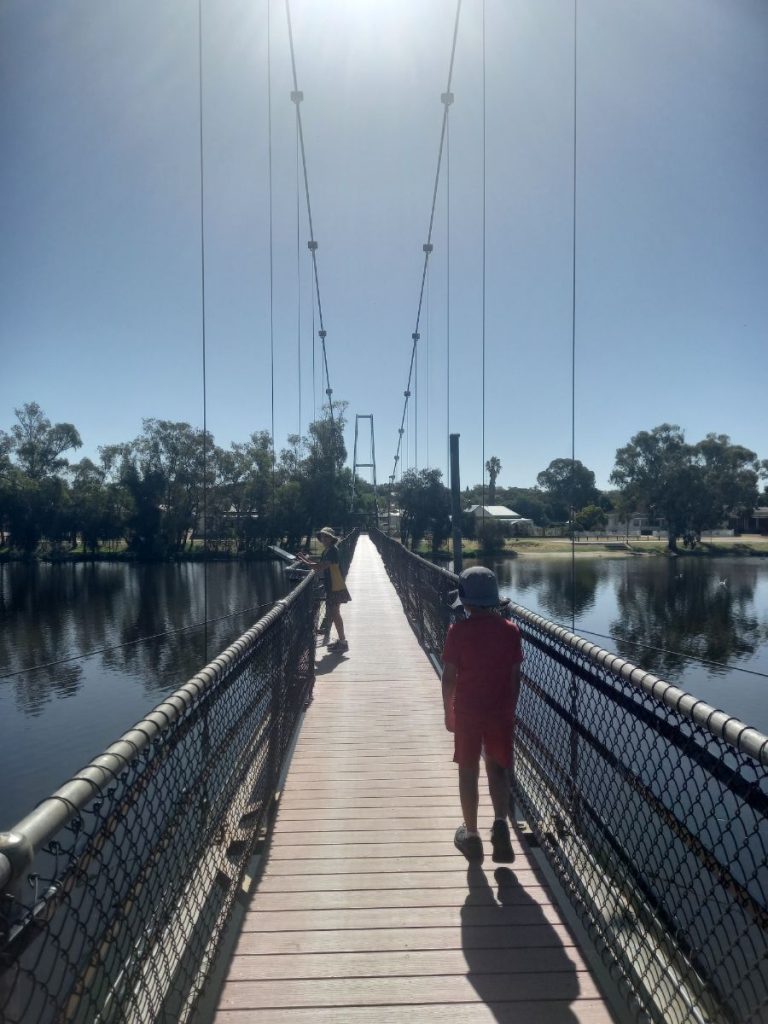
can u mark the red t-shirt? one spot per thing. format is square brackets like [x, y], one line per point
[485, 649]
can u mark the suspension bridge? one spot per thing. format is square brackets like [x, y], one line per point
[273, 842]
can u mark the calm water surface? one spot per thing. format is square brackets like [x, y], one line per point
[54, 720]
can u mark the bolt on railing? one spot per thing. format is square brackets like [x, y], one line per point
[115, 891]
[650, 805]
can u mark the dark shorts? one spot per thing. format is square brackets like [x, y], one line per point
[337, 597]
[492, 737]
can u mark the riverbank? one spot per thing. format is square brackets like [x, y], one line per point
[752, 545]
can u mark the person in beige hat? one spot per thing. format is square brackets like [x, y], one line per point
[336, 593]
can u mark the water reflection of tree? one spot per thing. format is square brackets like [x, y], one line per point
[563, 589]
[37, 614]
[689, 612]
[51, 612]
[169, 600]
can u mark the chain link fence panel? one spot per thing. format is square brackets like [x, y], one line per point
[114, 892]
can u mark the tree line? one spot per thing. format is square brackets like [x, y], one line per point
[155, 494]
[171, 487]
[688, 487]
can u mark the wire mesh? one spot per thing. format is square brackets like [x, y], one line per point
[116, 890]
[651, 807]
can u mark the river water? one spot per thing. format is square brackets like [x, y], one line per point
[145, 619]
[659, 613]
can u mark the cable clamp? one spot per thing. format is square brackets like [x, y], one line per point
[329, 391]
[297, 97]
[415, 335]
[312, 246]
[407, 394]
[322, 333]
[428, 247]
[401, 430]
[446, 98]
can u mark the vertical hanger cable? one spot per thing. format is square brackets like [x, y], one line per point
[203, 320]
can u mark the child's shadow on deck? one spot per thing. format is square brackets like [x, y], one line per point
[526, 961]
[328, 662]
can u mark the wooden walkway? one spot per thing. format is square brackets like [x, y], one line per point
[365, 911]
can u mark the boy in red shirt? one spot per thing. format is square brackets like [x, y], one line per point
[481, 685]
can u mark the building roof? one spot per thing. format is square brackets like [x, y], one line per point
[495, 511]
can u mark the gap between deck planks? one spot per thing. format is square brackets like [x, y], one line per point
[365, 913]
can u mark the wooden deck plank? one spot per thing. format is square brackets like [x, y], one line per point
[420, 963]
[398, 917]
[311, 881]
[387, 899]
[365, 913]
[454, 988]
[585, 1011]
[363, 940]
[330, 865]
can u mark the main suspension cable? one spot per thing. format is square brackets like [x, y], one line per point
[446, 99]
[297, 96]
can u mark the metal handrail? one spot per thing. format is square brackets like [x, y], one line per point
[731, 730]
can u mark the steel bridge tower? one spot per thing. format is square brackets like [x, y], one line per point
[365, 465]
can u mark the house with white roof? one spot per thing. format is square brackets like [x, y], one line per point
[499, 514]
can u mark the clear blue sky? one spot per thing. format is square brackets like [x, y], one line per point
[100, 296]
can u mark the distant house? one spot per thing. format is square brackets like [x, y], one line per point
[640, 524]
[500, 514]
[755, 522]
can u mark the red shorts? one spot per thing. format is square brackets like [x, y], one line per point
[491, 736]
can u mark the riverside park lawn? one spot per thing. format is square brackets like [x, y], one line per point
[613, 546]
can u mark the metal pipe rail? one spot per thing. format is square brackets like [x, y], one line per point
[114, 892]
[651, 806]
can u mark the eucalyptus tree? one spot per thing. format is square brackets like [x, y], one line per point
[34, 497]
[694, 487]
[655, 470]
[730, 474]
[167, 471]
[424, 507]
[39, 445]
[244, 492]
[567, 484]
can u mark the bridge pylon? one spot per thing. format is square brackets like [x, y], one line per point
[365, 465]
